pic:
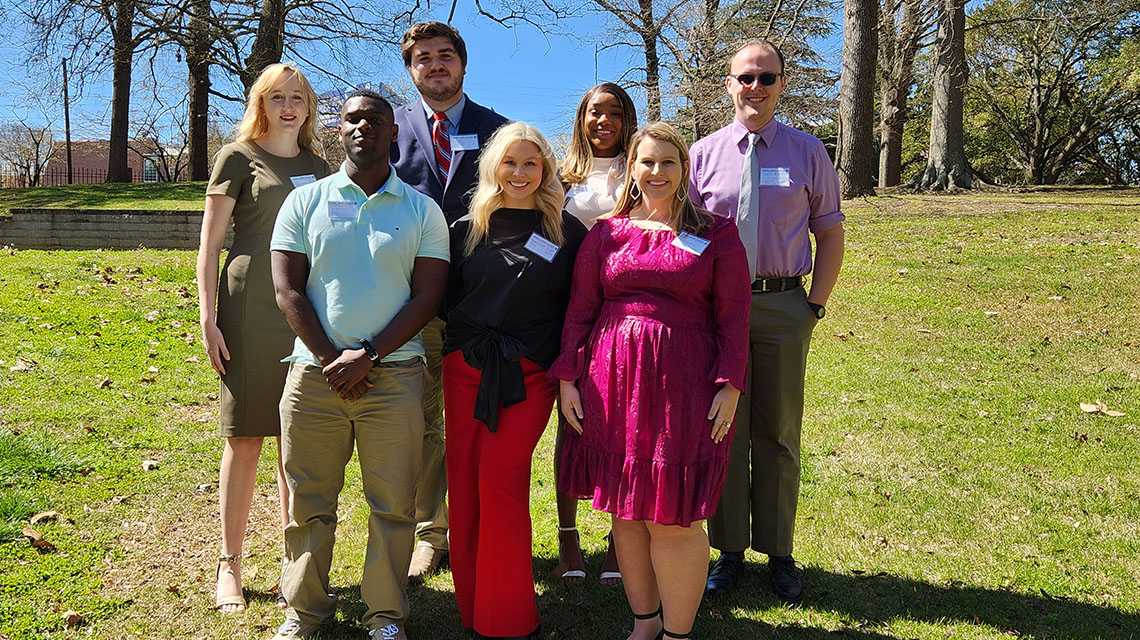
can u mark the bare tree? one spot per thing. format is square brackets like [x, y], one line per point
[26, 149]
[946, 166]
[903, 26]
[854, 157]
[97, 34]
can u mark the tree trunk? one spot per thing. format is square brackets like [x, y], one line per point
[649, 33]
[269, 42]
[946, 166]
[897, 51]
[854, 155]
[122, 53]
[198, 64]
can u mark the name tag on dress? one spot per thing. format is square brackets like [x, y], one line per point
[339, 210]
[300, 181]
[695, 245]
[465, 142]
[541, 247]
[775, 177]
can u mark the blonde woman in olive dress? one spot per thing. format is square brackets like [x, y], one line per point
[245, 335]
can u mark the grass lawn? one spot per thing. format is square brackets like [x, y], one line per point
[159, 196]
[952, 485]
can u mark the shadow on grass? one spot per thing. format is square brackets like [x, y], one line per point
[866, 605]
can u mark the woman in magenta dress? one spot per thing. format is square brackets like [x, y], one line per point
[654, 353]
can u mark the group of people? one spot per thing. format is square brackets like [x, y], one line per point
[429, 302]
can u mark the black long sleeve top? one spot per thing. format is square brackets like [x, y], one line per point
[505, 302]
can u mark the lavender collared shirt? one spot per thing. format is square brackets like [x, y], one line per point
[809, 201]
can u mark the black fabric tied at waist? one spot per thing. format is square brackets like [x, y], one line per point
[502, 384]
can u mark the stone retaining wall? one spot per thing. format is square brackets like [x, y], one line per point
[101, 229]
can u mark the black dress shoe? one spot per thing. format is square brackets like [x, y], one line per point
[786, 579]
[725, 573]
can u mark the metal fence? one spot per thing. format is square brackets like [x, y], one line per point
[57, 176]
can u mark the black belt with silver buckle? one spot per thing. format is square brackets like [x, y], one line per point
[767, 285]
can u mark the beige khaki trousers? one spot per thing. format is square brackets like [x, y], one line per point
[318, 432]
[763, 483]
[431, 494]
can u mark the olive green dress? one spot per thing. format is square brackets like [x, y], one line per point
[256, 332]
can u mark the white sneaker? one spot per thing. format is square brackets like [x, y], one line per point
[390, 632]
[293, 628]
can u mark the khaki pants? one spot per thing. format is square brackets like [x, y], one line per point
[763, 480]
[318, 430]
[431, 494]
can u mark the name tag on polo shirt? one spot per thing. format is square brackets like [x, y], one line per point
[695, 245]
[465, 142]
[339, 210]
[541, 247]
[300, 181]
[775, 177]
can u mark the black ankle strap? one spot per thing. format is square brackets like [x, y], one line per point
[649, 616]
[670, 634]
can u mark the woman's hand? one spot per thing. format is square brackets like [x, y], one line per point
[215, 345]
[722, 411]
[571, 404]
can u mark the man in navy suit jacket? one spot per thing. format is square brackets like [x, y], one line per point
[436, 58]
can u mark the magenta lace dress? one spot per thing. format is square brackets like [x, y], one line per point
[651, 333]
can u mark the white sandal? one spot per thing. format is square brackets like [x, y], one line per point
[577, 574]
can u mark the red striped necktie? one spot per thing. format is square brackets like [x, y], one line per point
[442, 144]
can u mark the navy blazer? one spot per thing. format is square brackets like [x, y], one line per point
[413, 155]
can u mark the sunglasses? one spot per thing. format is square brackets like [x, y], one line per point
[766, 79]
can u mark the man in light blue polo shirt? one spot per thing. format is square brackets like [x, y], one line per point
[359, 267]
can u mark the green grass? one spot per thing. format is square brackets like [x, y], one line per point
[156, 196]
[953, 488]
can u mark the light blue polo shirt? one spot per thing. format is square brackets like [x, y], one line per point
[361, 250]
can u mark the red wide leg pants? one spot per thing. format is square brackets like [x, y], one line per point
[488, 478]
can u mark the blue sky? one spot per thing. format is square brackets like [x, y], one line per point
[522, 73]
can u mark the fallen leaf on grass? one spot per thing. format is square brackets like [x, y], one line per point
[73, 619]
[991, 314]
[44, 516]
[149, 465]
[1100, 407]
[104, 383]
[925, 331]
[192, 359]
[23, 364]
[37, 540]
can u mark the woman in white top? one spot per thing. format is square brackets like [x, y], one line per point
[592, 174]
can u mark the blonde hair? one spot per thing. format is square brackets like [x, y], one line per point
[580, 155]
[488, 196]
[685, 215]
[254, 124]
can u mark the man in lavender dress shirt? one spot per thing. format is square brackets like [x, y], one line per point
[790, 190]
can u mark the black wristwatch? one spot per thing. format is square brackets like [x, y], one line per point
[370, 351]
[818, 310]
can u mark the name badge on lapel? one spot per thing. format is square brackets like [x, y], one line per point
[340, 210]
[541, 247]
[695, 245]
[465, 142]
[300, 181]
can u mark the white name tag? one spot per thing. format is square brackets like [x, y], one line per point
[775, 177]
[579, 192]
[465, 142]
[695, 245]
[541, 247]
[339, 210]
[300, 181]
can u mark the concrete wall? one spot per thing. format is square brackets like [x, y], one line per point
[101, 229]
